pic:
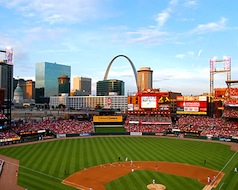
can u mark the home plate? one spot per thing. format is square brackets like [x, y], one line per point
[156, 187]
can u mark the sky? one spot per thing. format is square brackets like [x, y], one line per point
[175, 38]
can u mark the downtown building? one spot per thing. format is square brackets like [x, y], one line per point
[6, 79]
[90, 102]
[82, 86]
[46, 83]
[64, 85]
[110, 87]
[6, 89]
[145, 78]
[27, 86]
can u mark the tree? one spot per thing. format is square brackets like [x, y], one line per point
[62, 106]
[97, 107]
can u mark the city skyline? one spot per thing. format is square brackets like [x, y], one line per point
[175, 38]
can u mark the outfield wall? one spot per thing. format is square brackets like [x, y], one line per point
[110, 133]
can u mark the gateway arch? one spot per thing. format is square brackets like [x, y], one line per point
[132, 65]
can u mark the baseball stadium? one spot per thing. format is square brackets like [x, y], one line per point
[162, 141]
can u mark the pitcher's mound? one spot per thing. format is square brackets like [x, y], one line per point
[156, 187]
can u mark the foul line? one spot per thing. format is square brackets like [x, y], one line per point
[225, 166]
[57, 178]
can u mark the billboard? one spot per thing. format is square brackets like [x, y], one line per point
[130, 107]
[107, 119]
[148, 102]
[196, 105]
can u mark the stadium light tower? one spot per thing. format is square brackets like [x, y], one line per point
[215, 69]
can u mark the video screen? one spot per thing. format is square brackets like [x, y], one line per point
[148, 102]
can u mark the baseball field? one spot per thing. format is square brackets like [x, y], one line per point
[118, 163]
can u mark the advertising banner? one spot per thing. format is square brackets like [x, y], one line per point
[106, 119]
[196, 105]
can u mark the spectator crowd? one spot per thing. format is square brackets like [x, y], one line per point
[60, 126]
[216, 127]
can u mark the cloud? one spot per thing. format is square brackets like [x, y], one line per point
[172, 78]
[164, 15]
[147, 36]
[152, 35]
[199, 52]
[180, 56]
[190, 3]
[210, 27]
[57, 11]
[183, 55]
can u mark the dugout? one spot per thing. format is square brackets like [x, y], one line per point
[103, 112]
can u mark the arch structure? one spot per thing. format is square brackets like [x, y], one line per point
[132, 65]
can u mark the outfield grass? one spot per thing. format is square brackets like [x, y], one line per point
[43, 165]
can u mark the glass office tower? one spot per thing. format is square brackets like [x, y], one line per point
[46, 83]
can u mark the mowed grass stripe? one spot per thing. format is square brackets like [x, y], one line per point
[14, 151]
[161, 148]
[125, 184]
[114, 153]
[95, 154]
[36, 153]
[39, 163]
[60, 164]
[125, 147]
[134, 181]
[41, 181]
[79, 156]
[145, 174]
[138, 149]
[118, 149]
[141, 150]
[88, 152]
[92, 153]
[107, 149]
[102, 157]
[67, 159]
[152, 149]
[23, 152]
[49, 154]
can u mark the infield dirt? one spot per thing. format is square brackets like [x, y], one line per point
[95, 177]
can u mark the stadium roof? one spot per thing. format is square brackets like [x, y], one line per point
[231, 81]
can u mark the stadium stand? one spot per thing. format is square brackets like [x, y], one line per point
[57, 126]
[8, 134]
[230, 112]
[217, 127]
[147, 123]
